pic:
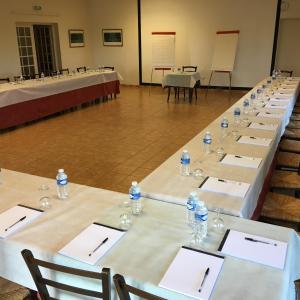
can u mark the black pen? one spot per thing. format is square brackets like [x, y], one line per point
[221, 180]
[203, 280]
[22, 219]
[103, 242]
[258, 241]
[253, 137]
[237, 156]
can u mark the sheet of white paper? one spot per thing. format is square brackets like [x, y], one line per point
[241, 161]
[13, 215]
[225, 186]
[280, 96]
[287, 91]
[263, 126]
[280, 100]
[270, 115]
[186, 272]
[86, 241]
[254, 140]
[262, 251]
[275, 105]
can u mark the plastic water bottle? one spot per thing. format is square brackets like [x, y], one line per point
[224, 127]
[246, 105]
[200, 226]
[259, 94]
[237, 116]
[135, 196]
[191, 206]
[207, 140]
[42, 76]
[185, 162]
[62, 184]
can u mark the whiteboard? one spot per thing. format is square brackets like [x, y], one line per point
[163, 49]
[225, 50]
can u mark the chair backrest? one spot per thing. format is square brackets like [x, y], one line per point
[124, 290]
[297, 289]
[189, 68]
[64, 71]
[109, 68]
[42, 283]
[287, 72]
[4, 79]
[79, 69]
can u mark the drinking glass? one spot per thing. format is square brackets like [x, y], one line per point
[218, 223]
[125, 220]
[44, 201]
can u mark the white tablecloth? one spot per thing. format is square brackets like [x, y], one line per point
[11, 93]
[144, 254]
[166, 184]
[181, 79]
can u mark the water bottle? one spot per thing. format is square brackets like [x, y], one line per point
[191, 206]
[237, 116]
[207, 140]
[42, 76]
[224, 128]
[62, 184]
[200, 219]
[185, 161]
[259, 94]
[274, 74]
[135, 196]
[246, 105]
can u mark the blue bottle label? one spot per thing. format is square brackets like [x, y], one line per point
[135, 196]
[62, 181]
[237, 112]
[246, 103]
[253, 96]
[224, 124]
[185, 161]
[190, 205]
[201, 217]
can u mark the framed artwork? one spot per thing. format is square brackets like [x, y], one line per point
[76, 38]
[112, 37]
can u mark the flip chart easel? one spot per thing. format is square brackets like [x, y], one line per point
[224, 54]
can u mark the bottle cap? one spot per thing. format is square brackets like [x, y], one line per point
[185, 151]
[134, 183]
[61, 170]
[193, 194]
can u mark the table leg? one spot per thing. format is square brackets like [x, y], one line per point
[169, 91]
[190, 94]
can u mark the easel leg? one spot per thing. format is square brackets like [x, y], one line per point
[169, 91]
[229, 81]
[209, 81]
[151, 81]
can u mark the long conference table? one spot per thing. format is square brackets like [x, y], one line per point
[35, 99]
[145, 252]
[147, 249]
[166, 184]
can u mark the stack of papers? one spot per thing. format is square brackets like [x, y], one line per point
[263, 126]
[254, 248]
[193, 273]
[252, 140]
[241, 161]
[276, 105]
[92, 243]
[225, 186]
[270, 115]
[16, 218]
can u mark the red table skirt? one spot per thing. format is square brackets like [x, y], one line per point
[23, 112]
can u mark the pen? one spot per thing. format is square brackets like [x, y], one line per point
[221, 180]
[22, 219]
[103, 242]
[237, 156]
[258, 241]
[203, 280]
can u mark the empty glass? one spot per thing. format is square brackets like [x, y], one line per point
[44, 201]
[125, 221]
[218, 223]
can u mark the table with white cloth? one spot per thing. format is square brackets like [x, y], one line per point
[145, 252]
[34, 99]
[182, 80]
[166, 184]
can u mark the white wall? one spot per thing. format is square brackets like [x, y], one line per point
[195, 23]
[69, 14]
[115, 14]
[290, 9]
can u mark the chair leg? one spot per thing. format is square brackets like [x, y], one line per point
[169, 91]
[183, 93]
[196, 93]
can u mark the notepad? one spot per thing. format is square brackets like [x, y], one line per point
[17, 217]
[280, 97]
[186, 273]
[225, 186]
[270, 115]
[263, 126]
[89, 239]
[280, 100]
[289, 91]
[254, 248]
[241, 161]
[252, 140]
[275, 105]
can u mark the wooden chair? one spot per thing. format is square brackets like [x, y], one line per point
[12, 291]
[281, 210]
[288, 161]
[25, 77]
[191, 69]
[124, 290]
[64, 71]
[42, 283]
[291, 146]
[297, 288]
[81, 69]
[289, 73]
[293, 134]
[294, 124]
[4, 80]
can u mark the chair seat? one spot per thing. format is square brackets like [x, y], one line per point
[288, 159]
[295, 117]
[292, 133]
[289, 145]
[294, 124]
[286, 180]
[12, 291]
[281, 207]
[296, 109]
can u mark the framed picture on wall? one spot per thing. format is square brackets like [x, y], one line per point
[112, 37]
[76, 38]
